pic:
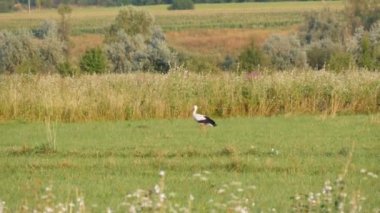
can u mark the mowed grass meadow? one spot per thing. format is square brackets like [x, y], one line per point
[259, 162]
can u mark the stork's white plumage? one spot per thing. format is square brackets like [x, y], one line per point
[202, 119]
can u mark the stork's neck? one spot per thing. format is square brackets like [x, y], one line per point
[195, 110]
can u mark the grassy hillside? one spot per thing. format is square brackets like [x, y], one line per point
[264, 159]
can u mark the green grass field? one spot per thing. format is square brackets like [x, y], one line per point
[104, 161]
[234, 15]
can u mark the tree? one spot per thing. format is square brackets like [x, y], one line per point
[64, 27]
[284, 52]
[131, 21]
[134, 43]
[181, 5]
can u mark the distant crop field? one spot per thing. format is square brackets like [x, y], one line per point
[259, 163]
[205, 16]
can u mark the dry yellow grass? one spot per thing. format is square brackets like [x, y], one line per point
[147, 95]
[83, 42]
[225, 41]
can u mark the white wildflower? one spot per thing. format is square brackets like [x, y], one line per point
[157, 189]
[48, 209]
[373, 175]
[203, 178]
[162, 173]
[220, 191]
[196, 175]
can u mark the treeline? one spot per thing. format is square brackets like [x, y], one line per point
[8, 5]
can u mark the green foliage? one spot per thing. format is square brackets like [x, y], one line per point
[181, 5]
[134, 43]
[365, 46]
[197, 63]
[319, 53]
[131, 21]
[15, 49]
[340, 61]
[252, 57]
[93, 61]
[284, 52]
[67, 69]
[45, 29]
[322, 25]
[33, 56]
[64, 28]
[228, 63]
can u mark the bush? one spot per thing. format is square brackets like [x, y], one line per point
[15, 48]
[229, 63]
[132, 22]
[284, 52]
[33, 55]
[365, 46]
[66, 69]
[319, 53]
[45, 29]
[252, 57]
[319, 26]
[340, 61]
[159, 53]
[135, 46]
[93, 61]
[181, 5]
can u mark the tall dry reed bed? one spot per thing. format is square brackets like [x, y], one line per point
[145, 95]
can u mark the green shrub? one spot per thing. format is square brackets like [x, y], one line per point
[181, 5]
[319, 53]
[32, 55]
[251, 58]
[93, 61]
[340, 61]
[131, 21]
[228, 63]
[30, 66]
[137, 46]
[284, 52]
[66, 69]
[365, 46]
[323, 25]
[15, 48]
[197, 63]
[45, 29]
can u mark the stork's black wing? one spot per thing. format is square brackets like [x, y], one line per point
[207, 121]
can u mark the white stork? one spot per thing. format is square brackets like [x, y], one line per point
[202, 119]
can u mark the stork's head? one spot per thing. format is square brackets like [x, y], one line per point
[195, 108]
